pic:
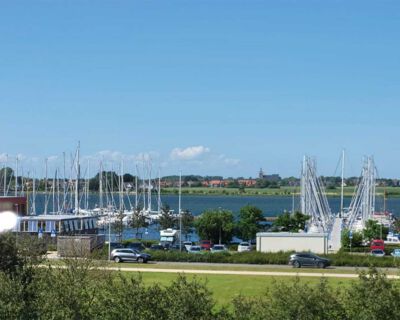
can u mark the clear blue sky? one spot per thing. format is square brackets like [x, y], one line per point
[211, 87]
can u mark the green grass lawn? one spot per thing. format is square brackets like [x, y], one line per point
[227, 287]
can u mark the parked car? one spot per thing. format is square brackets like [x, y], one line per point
[135, 246]
[377, 244]
[157, 247]
[297, 260]
[121, 255]
[115, 245]
[244, 247]
[377, 253]
[205, 244]
[219, 248]
[195, 250]
[396, 253]
[177, 247]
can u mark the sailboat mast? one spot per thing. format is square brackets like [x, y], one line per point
[179, 211]
[136, 189]
[121, 187]
[54, 192]
[45, 188]
[342, 186]
[149, 190]
[33, 193]
[77, 181]
[101, 185]
[16, 176]
[5, 176]
[159, 191]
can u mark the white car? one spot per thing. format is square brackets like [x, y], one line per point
[244, 247]
[377, 253]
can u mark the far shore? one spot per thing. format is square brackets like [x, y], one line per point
[391, 192]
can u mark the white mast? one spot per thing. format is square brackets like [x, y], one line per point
[121, 188]
[58, 191]
[16, 176]
[88, 185]
[179, 211]
[149, 190]
[159, 191]
[342, 187]
[77, 181]
[45, 187]
[54, 192]
[136, 189]
[64, 186]
[101, 186]
[33, 193]
[5, 176]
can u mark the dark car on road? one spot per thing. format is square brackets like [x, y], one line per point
[121, 255]
[298, 260]
[157, 247]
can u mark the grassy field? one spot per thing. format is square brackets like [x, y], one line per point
[283, 191]
[227, 287]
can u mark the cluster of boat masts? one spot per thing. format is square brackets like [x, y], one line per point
[362, 207]
[70, 195]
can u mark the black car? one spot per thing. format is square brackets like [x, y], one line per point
[121, 255]
[157, 247]
[297, 260]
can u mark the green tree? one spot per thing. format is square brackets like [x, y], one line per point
[291, 222]
[118, 225]
[356, 241]
[138, 221]
[249, 222]
[360, 300]
[167, 219]
[187, 222]
[215, 225]
[374, 230]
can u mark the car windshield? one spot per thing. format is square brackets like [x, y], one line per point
[377, 251]
[245, 244]
[195, 248]
[218, 247]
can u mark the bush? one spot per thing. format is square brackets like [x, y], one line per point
[253, 257]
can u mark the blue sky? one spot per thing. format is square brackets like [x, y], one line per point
[208, 87]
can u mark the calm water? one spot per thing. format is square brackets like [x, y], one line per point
[271, 206]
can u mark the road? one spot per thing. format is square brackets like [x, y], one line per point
[242, 273]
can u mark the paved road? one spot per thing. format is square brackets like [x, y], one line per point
[242, 273]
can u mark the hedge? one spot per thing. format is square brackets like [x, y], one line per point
[339, 259]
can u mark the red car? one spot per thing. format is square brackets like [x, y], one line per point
[205, 244]
[377, 245]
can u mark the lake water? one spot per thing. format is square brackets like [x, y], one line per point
[271, 206]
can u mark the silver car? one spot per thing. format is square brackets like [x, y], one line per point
[124, 254]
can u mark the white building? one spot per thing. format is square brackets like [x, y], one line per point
[286, 241]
